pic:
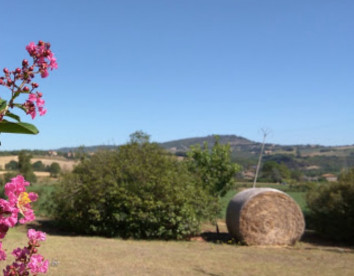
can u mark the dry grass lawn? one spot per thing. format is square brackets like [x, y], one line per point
[76, 255]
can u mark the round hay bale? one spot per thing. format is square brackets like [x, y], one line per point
[264, 216]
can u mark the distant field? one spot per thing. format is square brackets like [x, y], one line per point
[66, 165]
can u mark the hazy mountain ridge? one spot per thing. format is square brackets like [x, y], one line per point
[312, 160]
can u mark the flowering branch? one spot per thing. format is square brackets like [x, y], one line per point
[18, 206]
[19, 81]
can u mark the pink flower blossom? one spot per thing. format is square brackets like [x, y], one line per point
[40, 102]
[34, 235]
[18, 197]
[52, 61]
[15, 187]
[31, 48]
[19, 253]
[15, 269]
[44, 73]
[43, 56]
[30, 106]
[42, 111]
[37, 264]
[32, 97]
[8, 216]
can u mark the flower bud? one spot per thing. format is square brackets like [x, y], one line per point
[6, 71]
[24, 62]
[1, 82]
[26, 89]
[31, 68]
[35, 85]
[39, 94]
[18, 71]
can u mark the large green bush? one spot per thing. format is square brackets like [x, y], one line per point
[137, 191]
[332, 208]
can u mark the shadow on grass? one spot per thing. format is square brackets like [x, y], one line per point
[49, 226]
[314, 240]
[218, 238]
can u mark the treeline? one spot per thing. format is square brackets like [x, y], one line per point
[26, 168]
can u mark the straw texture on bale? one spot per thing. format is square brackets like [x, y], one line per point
[264, 216]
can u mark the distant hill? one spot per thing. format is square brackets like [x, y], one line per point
[311, 160]
[184, 145]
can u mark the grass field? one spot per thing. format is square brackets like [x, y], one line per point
[77, 255]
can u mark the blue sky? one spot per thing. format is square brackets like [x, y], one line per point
[187, 68]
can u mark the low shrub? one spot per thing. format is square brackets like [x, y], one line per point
[138, 191]
[331, 208]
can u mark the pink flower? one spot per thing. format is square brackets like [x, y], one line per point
[20, 253]
[14, 269]
[52, 61]
[40, 102]
[44, 73]
[18, 197]
[43, 57]
[37, 264]
[32, 97]
[8, 216]
[15, 187]
[42, 111]
[34, 235]
[31, 48]
[30, 106]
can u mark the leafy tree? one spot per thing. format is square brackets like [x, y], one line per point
[214, 169]
[54, 169]
[11, 166]
[39, 166]
[275, 172]
[25, 166]
[139, 137]
[138, 190]
[213, 166]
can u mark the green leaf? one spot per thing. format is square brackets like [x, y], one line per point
[13, 116]
[20, 106]
[3, 104]
[22, 128]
